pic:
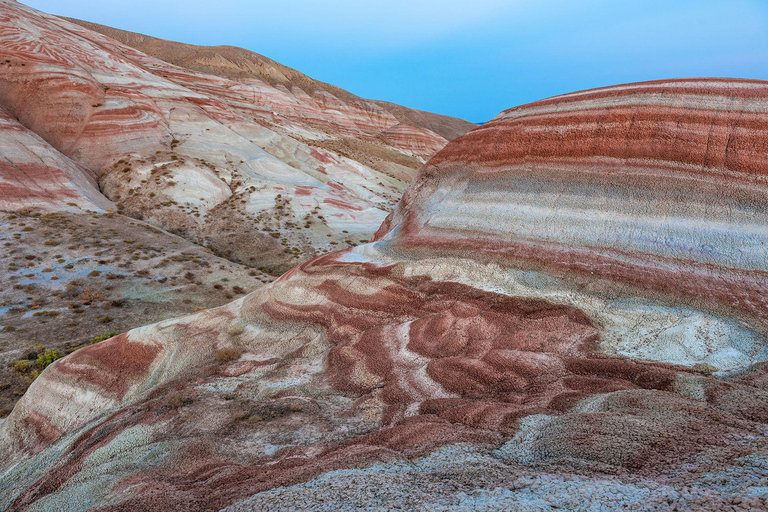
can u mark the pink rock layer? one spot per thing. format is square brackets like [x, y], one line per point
[660, 187]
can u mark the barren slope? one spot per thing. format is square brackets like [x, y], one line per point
[71, 276]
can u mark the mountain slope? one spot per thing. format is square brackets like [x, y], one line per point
[233, 62]
[568, 305]
[265, 175]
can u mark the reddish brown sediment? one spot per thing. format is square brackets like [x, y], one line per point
[42, 430]
[114, 365]
[687, 121]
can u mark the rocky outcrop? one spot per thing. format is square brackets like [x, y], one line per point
[35, 175]
[263, 172]
[540, 323]
[416, 141]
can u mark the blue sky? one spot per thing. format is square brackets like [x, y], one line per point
[469, 59]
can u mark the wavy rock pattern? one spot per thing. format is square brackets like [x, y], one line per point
[550, 318]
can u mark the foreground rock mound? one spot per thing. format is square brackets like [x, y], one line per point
[567, 305]
[265, 172]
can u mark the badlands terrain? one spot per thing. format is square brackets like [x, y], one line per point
[567, 310]
[134, 189]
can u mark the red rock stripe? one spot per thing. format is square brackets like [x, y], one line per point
[743, 293]
[738, 143]
[730, 87]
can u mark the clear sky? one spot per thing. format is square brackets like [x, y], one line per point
[469, 59]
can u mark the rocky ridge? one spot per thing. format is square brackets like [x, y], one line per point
[235, 63]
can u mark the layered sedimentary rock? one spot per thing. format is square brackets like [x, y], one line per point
[653, 190]
[415, 140]
[565, 306]
[239, 164]
[33, 174]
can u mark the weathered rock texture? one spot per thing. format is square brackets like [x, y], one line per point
[567, 306]
[265, 166]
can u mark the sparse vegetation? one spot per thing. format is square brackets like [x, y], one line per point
[61, 293]
[46, 313]
[31, 369]
[22, 365]
[46, 358]
[103, 337]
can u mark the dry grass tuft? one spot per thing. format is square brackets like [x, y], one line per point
[226, 355]
[174, 401]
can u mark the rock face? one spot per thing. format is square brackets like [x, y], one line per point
[567, 305]
[254, 166]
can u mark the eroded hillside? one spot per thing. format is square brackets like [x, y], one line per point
[263, 171]
[106, 154]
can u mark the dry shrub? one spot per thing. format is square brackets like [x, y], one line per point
[88, 296]
[21, 366]
[174, 401]
[235, 329]
[240, 415]
[226, 355]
